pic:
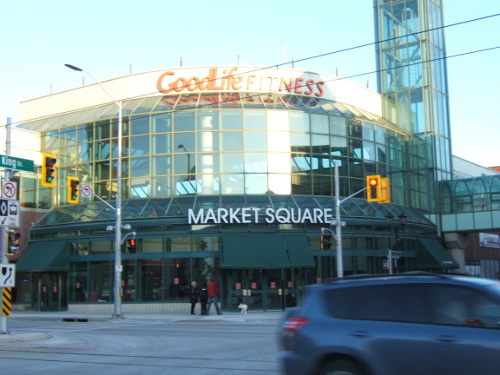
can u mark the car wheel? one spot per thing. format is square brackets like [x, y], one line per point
[341, 367]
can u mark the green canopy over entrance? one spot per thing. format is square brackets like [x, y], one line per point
[432, 254]
[44, 256]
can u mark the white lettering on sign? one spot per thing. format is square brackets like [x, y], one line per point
[249, 215]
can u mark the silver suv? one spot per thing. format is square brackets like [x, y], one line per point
[404, 324]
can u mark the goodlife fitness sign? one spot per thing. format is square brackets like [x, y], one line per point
[233, 81]
[230, 79]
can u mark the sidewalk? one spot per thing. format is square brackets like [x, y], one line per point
[229, 317]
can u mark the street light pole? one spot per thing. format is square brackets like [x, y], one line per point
[340, 257]
[118, 210]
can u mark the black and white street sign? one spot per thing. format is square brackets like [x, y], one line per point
[9, 190]
[7, 275]
[9, 213]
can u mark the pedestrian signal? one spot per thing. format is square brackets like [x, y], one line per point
[326, 241]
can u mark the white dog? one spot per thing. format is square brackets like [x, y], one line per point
[243, 308]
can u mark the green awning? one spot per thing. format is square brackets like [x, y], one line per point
[265, 251]
[432, 254]
[44, 256]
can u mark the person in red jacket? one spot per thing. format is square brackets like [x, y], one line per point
[213, 292]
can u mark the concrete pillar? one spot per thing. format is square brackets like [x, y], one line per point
[456, 244]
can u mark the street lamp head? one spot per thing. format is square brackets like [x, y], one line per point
[389, 218]
[73, 67]
[403, 218]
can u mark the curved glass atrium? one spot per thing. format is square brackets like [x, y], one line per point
[222, 144]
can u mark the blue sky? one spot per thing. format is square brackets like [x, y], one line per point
[113, 38]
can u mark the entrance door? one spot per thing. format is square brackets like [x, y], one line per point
[49, 291]
[273, 289]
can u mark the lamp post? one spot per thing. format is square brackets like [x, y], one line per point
[118, 209]
[389, 218]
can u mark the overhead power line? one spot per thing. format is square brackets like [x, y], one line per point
[354, 48]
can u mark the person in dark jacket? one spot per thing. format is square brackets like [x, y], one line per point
[204, 298]
[213, 292]
[193, 296]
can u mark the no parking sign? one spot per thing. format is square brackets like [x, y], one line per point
[9, 189]
[86, 191]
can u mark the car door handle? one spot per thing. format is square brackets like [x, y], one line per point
[446, 338]
[360, 334]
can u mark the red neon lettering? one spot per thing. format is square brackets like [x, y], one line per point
[319, 85]
[159, 84]
[289, 85]
[298, 84]
[309, 85]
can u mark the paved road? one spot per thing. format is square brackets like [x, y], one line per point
[137, 346]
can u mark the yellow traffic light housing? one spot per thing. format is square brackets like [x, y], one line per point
[48, 170]
[373, 188]
[385, 190]
[73, 191]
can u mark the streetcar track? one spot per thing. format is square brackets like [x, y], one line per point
[189, 365]
[51, 350]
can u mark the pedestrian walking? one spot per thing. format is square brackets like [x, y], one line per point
[213, 293]
[204, 298]
[193, 296]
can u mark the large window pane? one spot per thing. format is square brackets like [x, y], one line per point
[139, 166]
[255, 141]
[255, 120]
[232, 141]
[162, 122]
[183, 121]
[208, 120]
[256, 184]
[162, 143]
[232, 162]
[299, 121]
[139, 145]
[140, 125]
[232, 120]
[319, 124]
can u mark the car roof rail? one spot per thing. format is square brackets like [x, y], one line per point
[383, 275]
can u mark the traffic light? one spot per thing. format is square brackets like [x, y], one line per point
[385, 190]
[373, 188]
[48, 170]
[73, 191]
[13, 246]
[132, 246]
[326, 241]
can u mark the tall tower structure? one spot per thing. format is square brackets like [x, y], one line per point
[413, 82]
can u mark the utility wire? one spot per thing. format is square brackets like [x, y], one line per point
[346, 50]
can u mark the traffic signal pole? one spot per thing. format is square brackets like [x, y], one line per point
[4, 260]
[338, 220]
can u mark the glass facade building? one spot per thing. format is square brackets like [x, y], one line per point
[229, 171]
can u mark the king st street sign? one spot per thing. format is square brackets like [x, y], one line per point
[17, 163]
